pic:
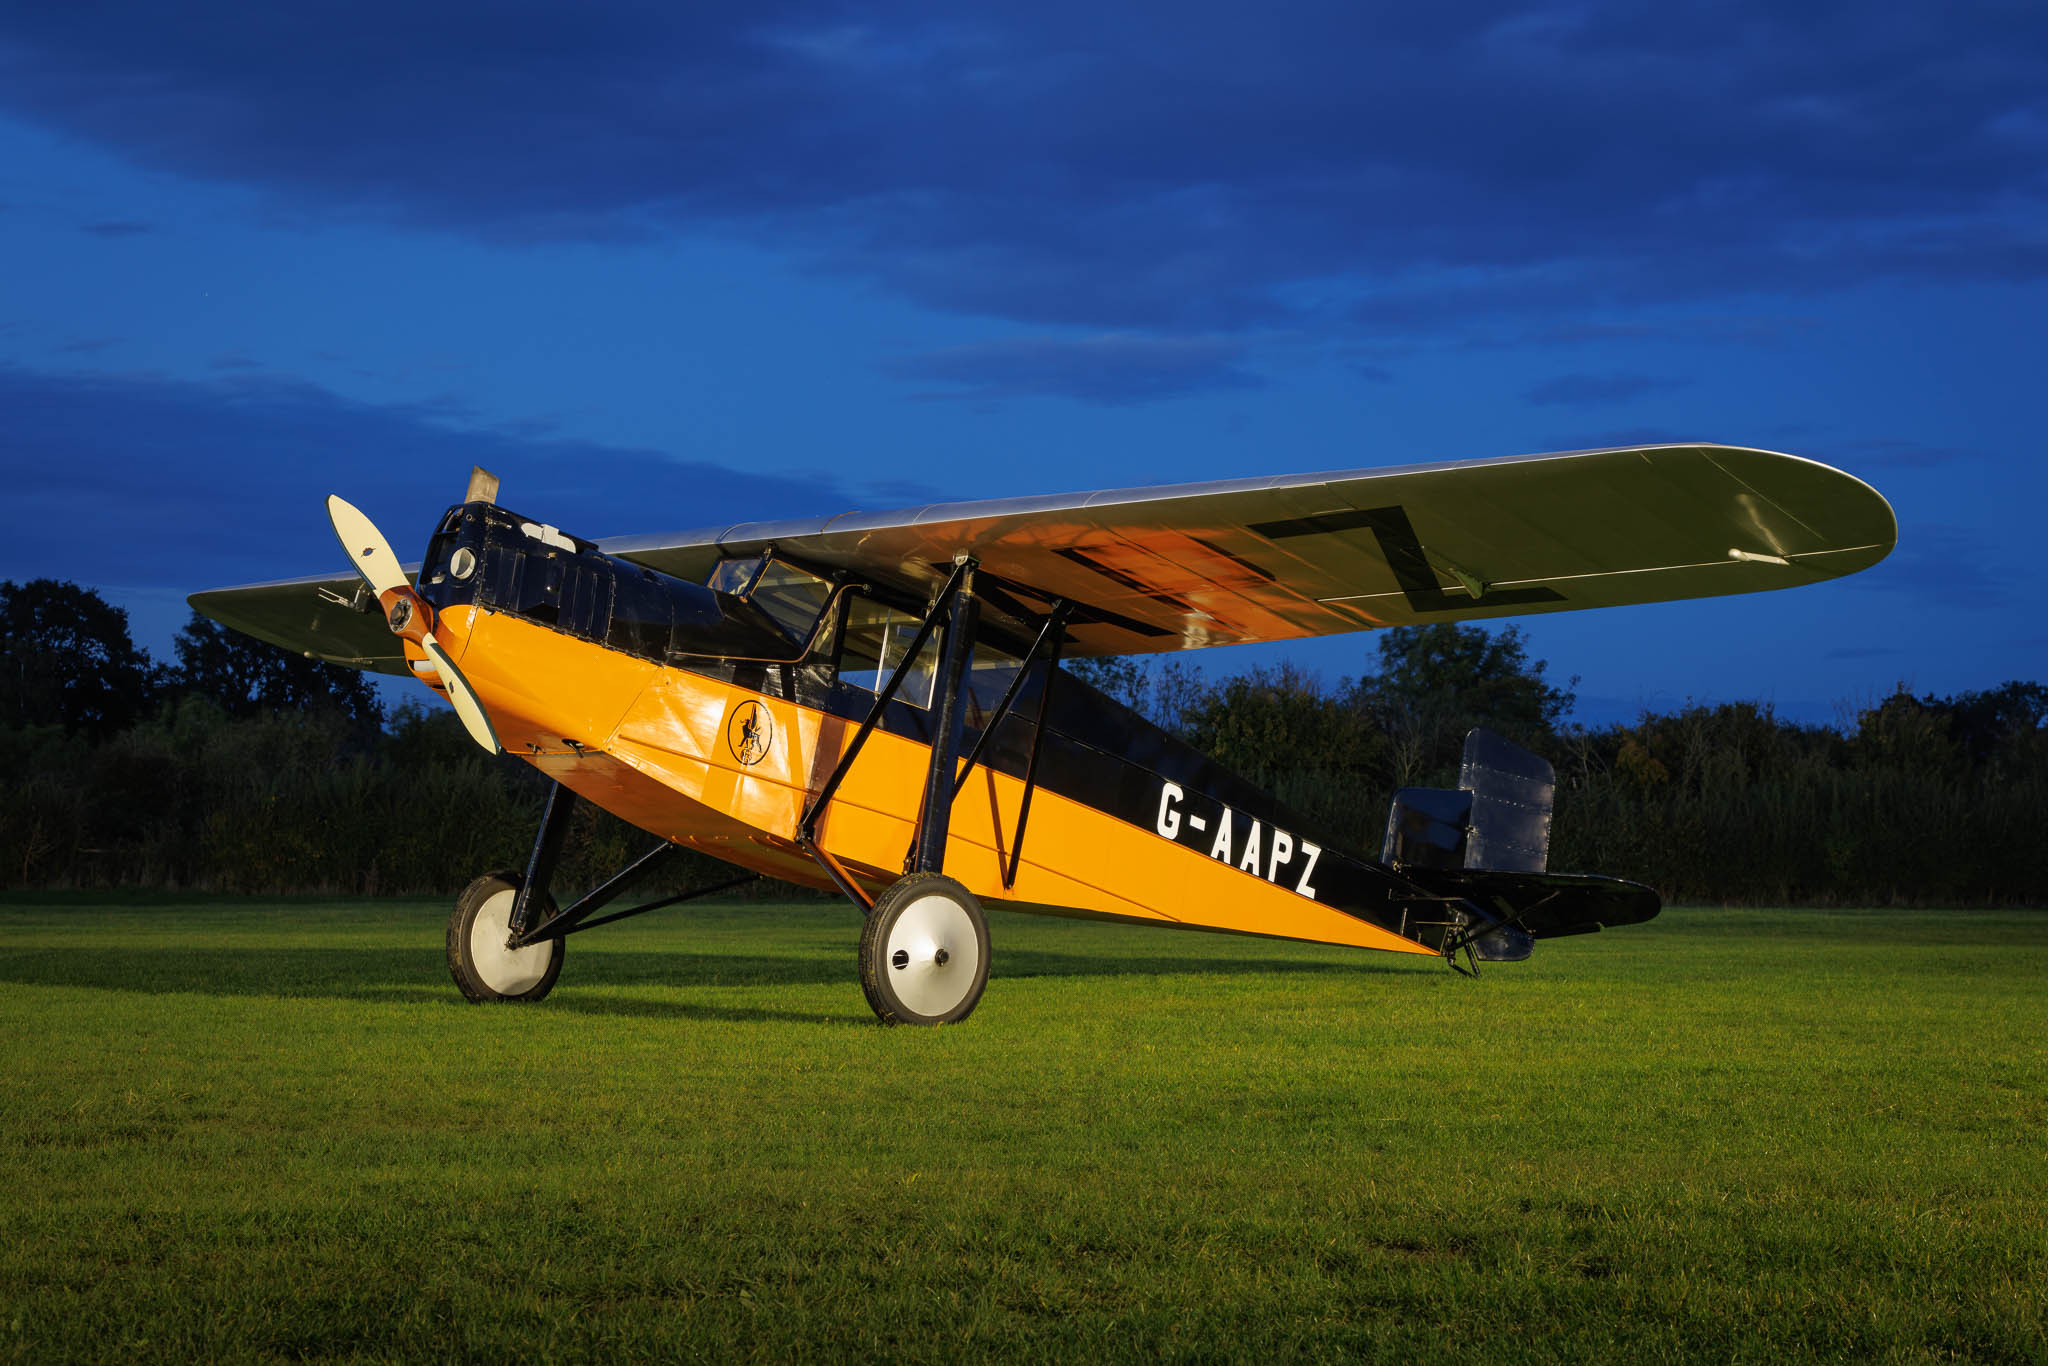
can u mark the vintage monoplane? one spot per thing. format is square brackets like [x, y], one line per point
[874, 702]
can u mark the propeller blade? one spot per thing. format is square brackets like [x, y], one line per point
[371, 555]
[367, 549]
[459, 692]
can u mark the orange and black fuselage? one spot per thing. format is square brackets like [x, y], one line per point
[665, 703]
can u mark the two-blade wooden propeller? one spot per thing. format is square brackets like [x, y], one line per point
[408, 614]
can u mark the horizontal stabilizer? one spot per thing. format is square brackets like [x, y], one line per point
[1547, 905]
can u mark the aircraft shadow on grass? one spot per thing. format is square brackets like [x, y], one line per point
[410, 976]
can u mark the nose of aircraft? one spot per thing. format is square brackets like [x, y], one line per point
[410, 617]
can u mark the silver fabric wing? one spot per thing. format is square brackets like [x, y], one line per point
[1282, 557]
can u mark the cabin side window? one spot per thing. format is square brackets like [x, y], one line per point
[988, 678]
[875, 642]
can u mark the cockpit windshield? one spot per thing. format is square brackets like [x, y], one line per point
[792, 598]
[489, 556]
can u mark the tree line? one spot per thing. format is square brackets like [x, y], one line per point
[240, 767]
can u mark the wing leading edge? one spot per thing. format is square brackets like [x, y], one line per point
[1286, 557]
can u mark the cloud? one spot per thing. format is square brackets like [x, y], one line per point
[1613, 437]
[153, 483]
[528, 428]
[1895, 453]
[1949, 569]
[1742, 328]
[1152, 167]
[1113, 370]
[1581, 391]
[901, 492]
[119, 227]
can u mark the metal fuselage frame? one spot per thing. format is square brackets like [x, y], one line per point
[657, 757]
[650, 676]
[784, 771]
[740, 769]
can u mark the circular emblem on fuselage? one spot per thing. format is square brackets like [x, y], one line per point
[748, 732]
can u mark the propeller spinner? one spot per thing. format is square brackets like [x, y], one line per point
[409, 616]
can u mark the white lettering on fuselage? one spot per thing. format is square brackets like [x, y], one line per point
[1311, 852]
[1283, 850]
[1267, 852]
[1169, 813]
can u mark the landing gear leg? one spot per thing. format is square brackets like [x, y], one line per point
[486, 955]
[924, 951]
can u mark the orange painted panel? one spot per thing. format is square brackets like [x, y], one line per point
[728, 771]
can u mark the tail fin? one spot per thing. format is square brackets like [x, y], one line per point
[1497, 819]
[1512, 794]
[1486, 844]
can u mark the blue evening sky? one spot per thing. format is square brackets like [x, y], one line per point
[664, 265]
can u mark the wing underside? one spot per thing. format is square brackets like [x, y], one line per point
[327, 618]
[1285, 557]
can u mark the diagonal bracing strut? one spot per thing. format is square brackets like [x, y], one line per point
[807, 825]
[1053, 631]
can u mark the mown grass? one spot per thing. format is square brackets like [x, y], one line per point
[265, 1130]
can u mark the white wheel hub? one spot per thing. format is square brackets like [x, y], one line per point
[509, 972]
[934, 955]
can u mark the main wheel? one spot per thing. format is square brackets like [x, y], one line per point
[924, 952]
[478, 960]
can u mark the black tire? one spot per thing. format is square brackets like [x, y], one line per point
[482, 967]
[913, 963]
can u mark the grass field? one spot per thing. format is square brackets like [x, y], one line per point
[262, 1130]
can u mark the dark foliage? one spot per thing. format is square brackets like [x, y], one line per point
[1437, 682]
[66, 660]
[270, 775]
[1919, 799]
[246, 768]
[247, 677]
[287, 802]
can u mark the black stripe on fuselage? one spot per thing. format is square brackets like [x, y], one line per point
[1105, 756]
[1097, 752]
